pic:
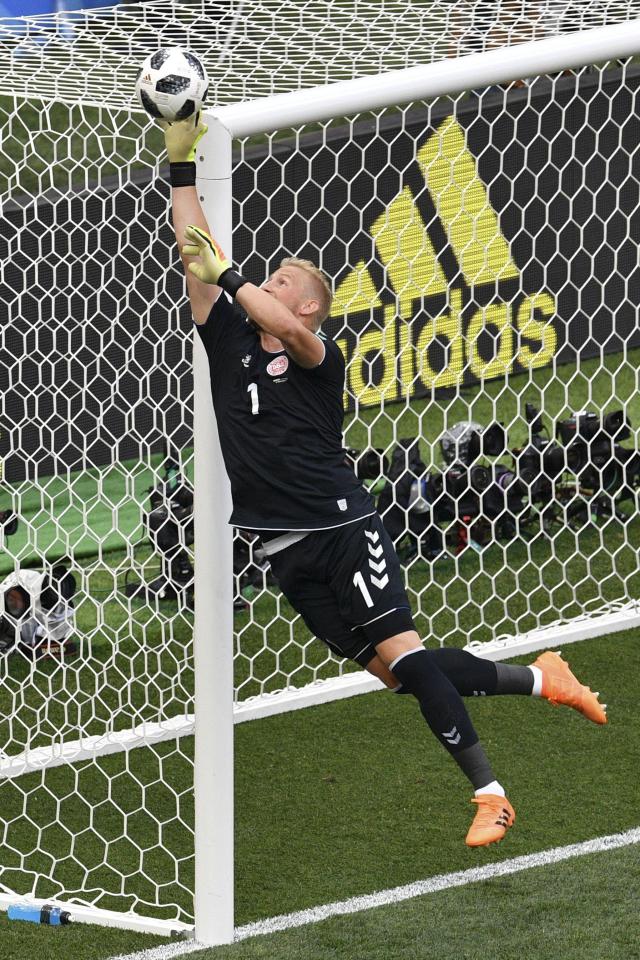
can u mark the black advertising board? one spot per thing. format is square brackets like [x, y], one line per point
[467, 246]
[463, 247]
[95, 357]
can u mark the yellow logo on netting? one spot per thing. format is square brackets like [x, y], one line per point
[523, 332]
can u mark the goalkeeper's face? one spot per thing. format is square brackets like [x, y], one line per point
[289, 285]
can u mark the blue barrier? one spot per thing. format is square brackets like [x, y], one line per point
[25, 8]
[12, 26]
[28, 8]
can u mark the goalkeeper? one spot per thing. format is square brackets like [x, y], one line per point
[277, 385]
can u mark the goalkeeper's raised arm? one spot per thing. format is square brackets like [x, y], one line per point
[181, 140]
[287, 310]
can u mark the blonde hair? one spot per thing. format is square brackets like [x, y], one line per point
[324, 294]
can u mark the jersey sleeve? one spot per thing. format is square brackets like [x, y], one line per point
[221, 328]
[332, 366]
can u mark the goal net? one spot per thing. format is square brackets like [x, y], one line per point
[483, 247]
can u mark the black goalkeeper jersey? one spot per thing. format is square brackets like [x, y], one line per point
[280, 430]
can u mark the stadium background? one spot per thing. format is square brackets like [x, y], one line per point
[78, 395]
[291, 780]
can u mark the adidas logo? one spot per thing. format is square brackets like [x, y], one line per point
[446, 343]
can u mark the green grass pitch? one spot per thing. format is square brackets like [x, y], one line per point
[355, 796]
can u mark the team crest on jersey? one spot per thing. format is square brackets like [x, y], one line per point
[278, 366]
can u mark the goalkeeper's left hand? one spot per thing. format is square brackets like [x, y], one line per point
[213, 262]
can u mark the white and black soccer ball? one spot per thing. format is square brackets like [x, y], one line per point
[172, 84]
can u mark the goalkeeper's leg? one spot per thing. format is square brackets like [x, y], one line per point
[322, 578]
[446, 715]
[549, 677]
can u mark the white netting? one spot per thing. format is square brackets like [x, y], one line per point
[484, 251]
[253, 48]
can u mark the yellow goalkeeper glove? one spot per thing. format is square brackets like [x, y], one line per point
[181, 139]
[214, 266]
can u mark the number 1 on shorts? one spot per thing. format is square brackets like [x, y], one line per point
[358, 581]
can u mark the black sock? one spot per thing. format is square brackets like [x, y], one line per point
[444, 711]
[476, 677]
[512, 678]
[471, 676]
[475, 765]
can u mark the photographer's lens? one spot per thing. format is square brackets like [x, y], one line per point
[17, 602]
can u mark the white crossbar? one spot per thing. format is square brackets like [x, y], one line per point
[445, 77]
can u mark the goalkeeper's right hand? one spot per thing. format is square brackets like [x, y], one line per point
[182, 137]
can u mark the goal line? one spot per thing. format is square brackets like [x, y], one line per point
[409, 891]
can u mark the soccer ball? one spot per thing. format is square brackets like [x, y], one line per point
[172, 84]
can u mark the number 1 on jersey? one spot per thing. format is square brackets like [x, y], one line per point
[253, 390]
[358, 581]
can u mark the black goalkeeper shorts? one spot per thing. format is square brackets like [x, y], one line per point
[348, 586]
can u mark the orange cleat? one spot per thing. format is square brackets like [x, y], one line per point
[493, 818]
[559, 686]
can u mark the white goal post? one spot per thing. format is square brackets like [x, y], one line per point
[478, 215]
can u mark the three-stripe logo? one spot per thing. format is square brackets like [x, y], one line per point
[440, 238]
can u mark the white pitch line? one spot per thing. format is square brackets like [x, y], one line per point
[444, 881]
